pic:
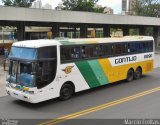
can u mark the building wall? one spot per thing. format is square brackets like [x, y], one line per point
[108, 10]
[124, 5]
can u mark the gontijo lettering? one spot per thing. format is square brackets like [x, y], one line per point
[125, 59]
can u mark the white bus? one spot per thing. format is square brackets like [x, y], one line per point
[40, 70]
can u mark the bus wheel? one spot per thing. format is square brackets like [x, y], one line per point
[138, 73]
[130, 75]
[66, 92]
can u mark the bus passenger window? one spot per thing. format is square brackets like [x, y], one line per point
[133, 47]
[106, 50]
[83, 52]
[75, 53]
[90, 51]
[150, 46]
[120, 48]
[146, 47]
[65, 53]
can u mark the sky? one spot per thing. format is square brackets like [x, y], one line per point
[114, 4]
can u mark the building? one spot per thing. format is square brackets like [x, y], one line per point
[41, 23]
[124, 5]
[131, 5]
[59, 7]
[47, 6]
[108, 10]
[37, 4]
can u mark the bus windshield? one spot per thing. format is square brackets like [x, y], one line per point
[23, 53]
[22, 73]
[32, 67]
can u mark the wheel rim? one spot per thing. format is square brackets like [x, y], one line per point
[66, 92]
[130, 75]
[138, 73]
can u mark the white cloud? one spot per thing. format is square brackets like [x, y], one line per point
[114, 4]
[54, 3]
[0, 2]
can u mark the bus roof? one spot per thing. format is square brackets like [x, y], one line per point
[66, 41]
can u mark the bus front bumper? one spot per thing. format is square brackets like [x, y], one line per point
[21, 95]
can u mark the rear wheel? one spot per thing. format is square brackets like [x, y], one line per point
[66, 92]
[138, 73]
[130, 75]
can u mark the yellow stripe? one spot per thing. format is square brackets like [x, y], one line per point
[117, 73]
[106, 66]
[100, 107]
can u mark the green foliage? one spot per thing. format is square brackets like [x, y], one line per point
[147, 8]
[82, 5]
[133, 32]
[18, 3]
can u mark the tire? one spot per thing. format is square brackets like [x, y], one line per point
[130, 75]
[66, 92]
[138, 73]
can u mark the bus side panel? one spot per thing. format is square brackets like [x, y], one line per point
[70, 72]
[112, 73]
[92, 73]
[116, 73]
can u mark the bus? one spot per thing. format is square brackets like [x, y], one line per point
[40, 70]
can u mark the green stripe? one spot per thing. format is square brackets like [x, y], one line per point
[98, 71]
[88, 74]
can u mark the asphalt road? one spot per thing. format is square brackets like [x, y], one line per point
[146, 106]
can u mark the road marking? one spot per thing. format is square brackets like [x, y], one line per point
[100, 107]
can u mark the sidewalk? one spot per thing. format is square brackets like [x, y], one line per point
[3, 75]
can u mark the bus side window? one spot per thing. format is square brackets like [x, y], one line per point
[120, 48]
[108, 49]
[95, 51]
[65, 53]
[75, 53]
[133, 47]
[90, 51]
[83, 52]
[101, 52]
[150, 46]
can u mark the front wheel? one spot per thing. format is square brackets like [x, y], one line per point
[66, 92]
[138, 73]
[130, 75]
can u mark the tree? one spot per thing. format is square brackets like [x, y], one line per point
[82, 5]
[147, 8]
[18, 3]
